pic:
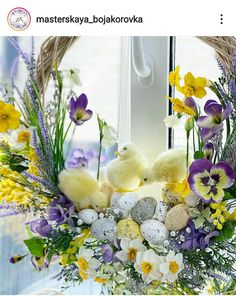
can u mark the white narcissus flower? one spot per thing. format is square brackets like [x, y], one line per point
[20, 138]
[148, 264]
[130, 249]
[109, 136]
[87, 264]
[172, 121]
[171, 267]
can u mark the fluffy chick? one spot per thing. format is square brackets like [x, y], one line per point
[123, 172]
[82, 189]
[169, 167]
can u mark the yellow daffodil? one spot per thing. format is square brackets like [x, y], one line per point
[180, 107]
[9, 117]
[193, 86]
[182, 188]
[174, 77]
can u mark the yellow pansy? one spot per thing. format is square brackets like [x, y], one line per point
[9, 117]
[180, 107]
[193, 86]
[174, 76]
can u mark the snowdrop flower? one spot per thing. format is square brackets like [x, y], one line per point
[109, 136]
[172, 121]
[86, 263]
[130, 249]
[171, 267]
[73, 77]
[148, 265]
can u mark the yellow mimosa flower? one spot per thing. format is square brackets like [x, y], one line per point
[9, 117]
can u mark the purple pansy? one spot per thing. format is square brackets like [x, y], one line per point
[107, 253]
[78, 112]
[61, 211]
[41, 227]
[212, 123]
[207, 181]
[196, 238]
[208, 150]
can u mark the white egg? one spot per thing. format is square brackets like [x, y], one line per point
[161, 211]
[115, 206]
[191, 200]
[88, 216]
[128, 200]
[104, 229]
[154, 231]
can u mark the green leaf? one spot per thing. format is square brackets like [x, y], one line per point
[198, 154]
[35, 245]
[227, 232]
[228, 195]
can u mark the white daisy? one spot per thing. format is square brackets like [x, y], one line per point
[130, 249]
[148, 264]
[171, 267]
[86, 263]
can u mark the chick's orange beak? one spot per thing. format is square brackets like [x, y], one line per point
[140, 184]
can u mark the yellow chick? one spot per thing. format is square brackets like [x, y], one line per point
[169, 167]
[123, 172]
[82, 189]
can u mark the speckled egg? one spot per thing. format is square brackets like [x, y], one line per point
[88, 216]
[161, 211]
[104, 229]
[169, 195]
[154, 231]
[128, 200]
[191, 200]
[127, 228]
[115, 206]
[177, 217]
[144, 209]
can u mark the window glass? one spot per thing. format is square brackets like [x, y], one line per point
[198, 58]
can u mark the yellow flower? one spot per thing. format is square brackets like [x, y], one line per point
[85, 233]
[9, 117]
[100, 280]
[233, 216]
[180, 107]
[174, 77]
[182, 188]
[193, 86]
[221, 214]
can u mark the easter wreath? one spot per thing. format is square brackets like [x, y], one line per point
[103, 230]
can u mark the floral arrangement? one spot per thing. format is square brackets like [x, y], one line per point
[95, 224]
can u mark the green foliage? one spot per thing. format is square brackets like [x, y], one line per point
[35, 245]
[227, 232]
[198, 154]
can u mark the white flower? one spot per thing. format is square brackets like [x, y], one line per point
[73, 77]
[86, 263]
[130, 249]
[172, 266]
[18, 139]
[109, 136]
[172, 121]
[148, 264]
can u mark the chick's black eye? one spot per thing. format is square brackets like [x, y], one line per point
[145, 179]
[125, 148]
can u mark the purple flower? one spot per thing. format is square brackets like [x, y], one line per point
[189, 101]
[196, 238]
[212, 123]
[41, 227]
[40, 262]
[16, 258]
[78, 159]
[207, 181]
[107, 253]
[61, 211]
[78, 112]
[208, 150]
